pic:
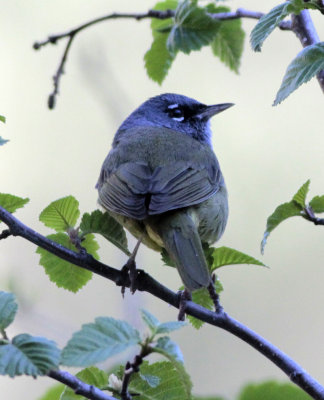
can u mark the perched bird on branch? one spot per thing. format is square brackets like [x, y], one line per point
[162, 181]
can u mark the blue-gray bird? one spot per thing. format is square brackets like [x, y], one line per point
[162, 181]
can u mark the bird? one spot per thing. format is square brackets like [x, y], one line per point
[162, 181]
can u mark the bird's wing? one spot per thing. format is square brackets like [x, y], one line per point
[183, 184]
[134, 190]
[124, 191]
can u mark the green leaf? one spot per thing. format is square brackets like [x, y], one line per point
[271, 20]
[151, 321]
[228, 44]
[305, 66]
[106, 226]
[3, 141]
[53, 393]
[227, 256]
[61, 214]
[158, 59]
[281, 213]
[272, 390]
[92, 376]
[317, 204]
[166, 327]
[300, 196]
[91, 245]
[97, 341]
[156, 327]
[174, 384]
[151, 380]
[193, 28]
[202, 297]
[3, 119]
[61, 272]
[12, 203]
[229, 40]
[8, 309]
[28, 355]
[169, 349]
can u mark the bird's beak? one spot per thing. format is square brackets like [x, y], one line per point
[210, 111]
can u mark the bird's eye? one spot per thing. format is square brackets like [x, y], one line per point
[176, 113]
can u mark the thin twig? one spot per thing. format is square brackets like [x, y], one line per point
[158, 14]
[53, 39]
[130, 369]
[59, 73]
[146, 283]
[89, 391]
[243, 13]
[303, 27]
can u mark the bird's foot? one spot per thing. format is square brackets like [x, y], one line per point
[215, 297]
[130, 269]
[185, 296]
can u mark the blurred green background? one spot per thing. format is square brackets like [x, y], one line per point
[266, 154]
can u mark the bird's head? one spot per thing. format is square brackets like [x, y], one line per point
[176, 112]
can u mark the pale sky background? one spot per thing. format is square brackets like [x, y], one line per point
[266, 154]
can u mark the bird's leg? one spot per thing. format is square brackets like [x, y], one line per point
[214, 295]
[130, 267]
[185, 296]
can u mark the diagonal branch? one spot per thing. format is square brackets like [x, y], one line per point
[148, 284]
[89, 391]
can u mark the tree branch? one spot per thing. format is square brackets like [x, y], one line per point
[89, 391]
[310, 216]
[243, 13]
[130, 369]
[146, 283]
[53, 39]
[158, 14]
[303, 27]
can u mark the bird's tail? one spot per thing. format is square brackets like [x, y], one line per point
[182, 242]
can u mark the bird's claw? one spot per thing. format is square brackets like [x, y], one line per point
[129, 270]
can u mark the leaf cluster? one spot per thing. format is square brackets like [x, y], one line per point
[24, 354]
[297, 206]
[62, 215]
[192, 28]
[95, 342]
[308, 63]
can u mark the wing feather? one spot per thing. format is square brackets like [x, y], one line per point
[134, 190]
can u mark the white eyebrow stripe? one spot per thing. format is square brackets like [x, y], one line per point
[172, 106]
[178, 119]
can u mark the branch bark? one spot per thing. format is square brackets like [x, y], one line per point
[89, 391]
[158, 14]
[303, 27]
[146, 283]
